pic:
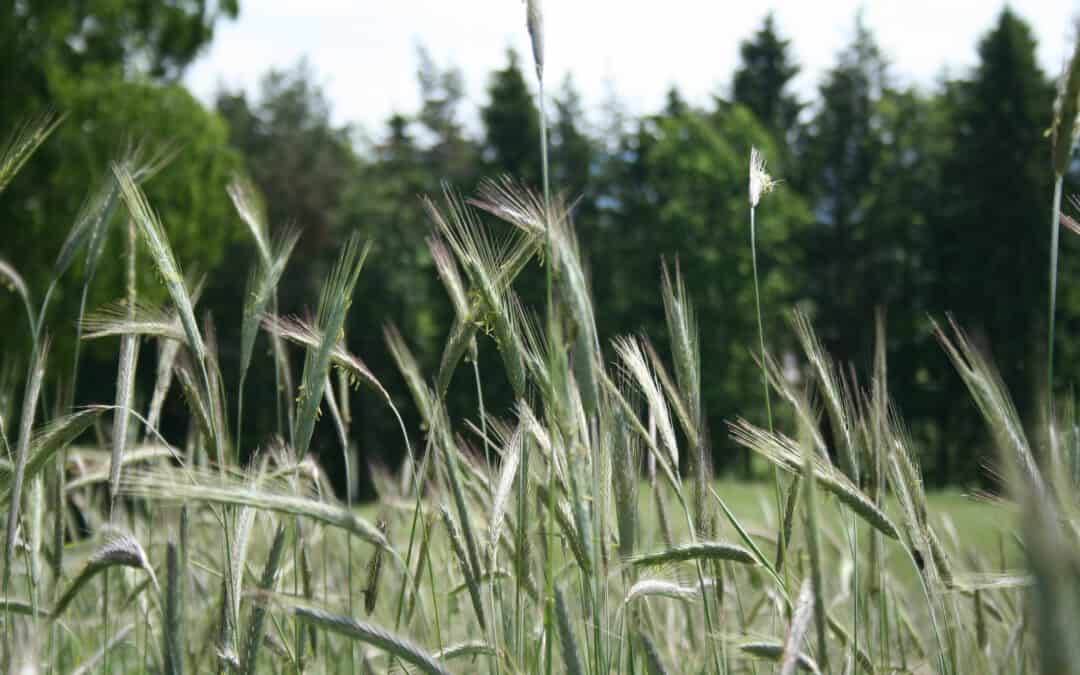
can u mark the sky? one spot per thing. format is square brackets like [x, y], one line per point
[364, 52]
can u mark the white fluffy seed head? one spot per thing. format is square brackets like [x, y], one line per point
[760, 181]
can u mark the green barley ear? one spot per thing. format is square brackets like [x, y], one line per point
[540, 219]
[571, 653]
[22, 452]
[120, 319]
[13, 281]
[458, 546]
[800, 622]
[334, 302]
[154, 235]
[371, 634]
[482, 257]
[254, 636]
[125, 392]
[683, 333]
[625, 461]
[91, 226]
[636, 366]
[47, 442]
[261, 286]
[173, 627]
[835, 394]
[508, 471]
[464, 649]
[251, 209]
[371, 592]
[311, 337]
[662, 588]
[772, 651]
[241, 538]
[702, 551]
[997, 409]
[787, 454]
[121, 550]
[22, 143]
[448, 273]
[184, 486]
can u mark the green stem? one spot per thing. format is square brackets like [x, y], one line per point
[1055, 227]
[781, 544]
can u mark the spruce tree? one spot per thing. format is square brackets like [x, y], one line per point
[450, 155]
[842, 151]
[992, 254]
[511, 127]
[762, 80]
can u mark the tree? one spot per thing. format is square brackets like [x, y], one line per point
[44, 40]
[302, 164]
[511, 125]
[109, 116]
[109, 66]
[992, 257]
[399, 285]
[682, 198]
[450, 155]
[573, 152]
[762, 79]
[841, 153]
[575, 157]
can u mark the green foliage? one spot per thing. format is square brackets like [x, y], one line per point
[40, 38]
[997, 182]
[765, 72]
[107, 116]
[302, 164]
[511, 127]
[685, 199]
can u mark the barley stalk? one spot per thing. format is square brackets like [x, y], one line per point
[394, 645]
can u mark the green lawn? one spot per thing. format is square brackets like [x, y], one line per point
[976, 530]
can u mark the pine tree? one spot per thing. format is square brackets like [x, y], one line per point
[681, 196]
[511, 126]
[842, 151]
[991, 257]
[300, 161]
[573, 152]
[762, 79]
[451, 155]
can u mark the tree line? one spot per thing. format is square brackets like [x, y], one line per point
[898, 205]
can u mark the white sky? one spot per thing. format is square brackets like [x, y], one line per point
[364, 51]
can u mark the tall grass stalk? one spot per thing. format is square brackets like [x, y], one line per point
[535, 26]
[1055, 230]
[761, 183]
[1064, 136]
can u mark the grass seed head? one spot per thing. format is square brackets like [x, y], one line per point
[761, 182]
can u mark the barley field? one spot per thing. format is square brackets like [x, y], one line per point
[583, 533]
